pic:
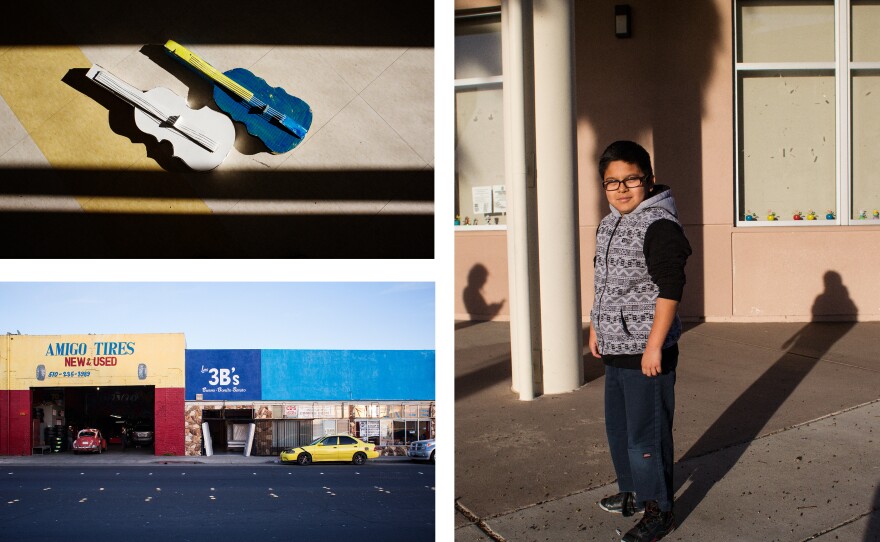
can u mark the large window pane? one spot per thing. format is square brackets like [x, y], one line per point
[792, 32]
[478, 47]
[788, 144]
[479, 157]
[866, 144]
[865, 34]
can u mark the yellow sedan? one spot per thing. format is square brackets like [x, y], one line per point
[332, 448]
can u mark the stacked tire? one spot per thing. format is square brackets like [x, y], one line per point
[56, 438]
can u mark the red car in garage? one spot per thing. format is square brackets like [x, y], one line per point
[89, 440]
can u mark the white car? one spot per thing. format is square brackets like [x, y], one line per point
[422, 449]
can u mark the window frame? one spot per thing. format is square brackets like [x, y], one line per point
[478, 83]
[844, 69]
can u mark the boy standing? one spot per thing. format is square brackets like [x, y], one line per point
[641, 252]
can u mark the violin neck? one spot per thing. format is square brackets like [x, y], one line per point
[193, 60]
[120, 88]
[209, 71]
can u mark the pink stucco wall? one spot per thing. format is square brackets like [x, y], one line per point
[670, 87]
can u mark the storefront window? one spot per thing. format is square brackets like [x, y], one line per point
[480, 190]
[405, 432]
[424, 430]
[395, 411]
[290, 434]
[866, 109]
[369, 431]
[795, 163]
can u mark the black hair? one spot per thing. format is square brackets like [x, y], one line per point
[629, 152]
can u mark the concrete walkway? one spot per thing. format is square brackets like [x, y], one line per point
[777, 437]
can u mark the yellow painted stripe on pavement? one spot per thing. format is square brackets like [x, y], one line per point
[72, 130]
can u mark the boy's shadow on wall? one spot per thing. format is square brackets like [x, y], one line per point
[745, 418]
[474, 302]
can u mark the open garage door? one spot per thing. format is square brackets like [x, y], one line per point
[123, 414]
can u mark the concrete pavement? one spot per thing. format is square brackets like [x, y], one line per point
[776, 431]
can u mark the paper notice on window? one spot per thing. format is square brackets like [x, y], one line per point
[499, 199]
[482, 199]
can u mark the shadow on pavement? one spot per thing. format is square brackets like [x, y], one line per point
[873, 532]
[744, 419]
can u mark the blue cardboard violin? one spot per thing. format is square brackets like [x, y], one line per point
[277, 118]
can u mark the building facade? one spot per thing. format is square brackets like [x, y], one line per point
[53, 386]
[293, 396]
[759, 115]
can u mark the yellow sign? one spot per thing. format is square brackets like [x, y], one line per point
[94, 360]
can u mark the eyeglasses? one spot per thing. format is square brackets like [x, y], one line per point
[630, 182]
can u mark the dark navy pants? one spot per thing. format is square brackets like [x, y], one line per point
[638, 421]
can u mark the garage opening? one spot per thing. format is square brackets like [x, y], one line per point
[228, 427]
[124, 415]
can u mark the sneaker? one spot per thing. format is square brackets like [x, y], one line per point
[653, 526]
[622, 503]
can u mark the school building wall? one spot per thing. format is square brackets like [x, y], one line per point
[670, 87]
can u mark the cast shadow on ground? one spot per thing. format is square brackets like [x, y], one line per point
[746, 417]
[872, 533]
[498, 370]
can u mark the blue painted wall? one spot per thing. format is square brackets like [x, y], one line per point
[311, 375]
[347, 375]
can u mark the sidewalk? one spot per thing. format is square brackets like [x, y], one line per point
[777, 436]
[145, 457]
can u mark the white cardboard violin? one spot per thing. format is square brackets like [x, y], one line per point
[200, 137]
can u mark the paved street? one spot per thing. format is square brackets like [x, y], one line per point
[260, 501]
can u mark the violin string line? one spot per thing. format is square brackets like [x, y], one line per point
[236, 89]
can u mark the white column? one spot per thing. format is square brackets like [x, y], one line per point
[556, 173]
[518, 173]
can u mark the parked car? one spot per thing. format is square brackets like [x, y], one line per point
[142, 434]
[89, 440]
[332, 448]
[421, 449]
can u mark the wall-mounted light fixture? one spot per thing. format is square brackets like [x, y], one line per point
[622, 21]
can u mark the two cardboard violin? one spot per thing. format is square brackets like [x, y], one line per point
[202, 138]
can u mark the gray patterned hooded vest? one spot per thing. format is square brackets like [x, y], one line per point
[623, 307]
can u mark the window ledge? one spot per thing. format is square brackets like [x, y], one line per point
[499, 227]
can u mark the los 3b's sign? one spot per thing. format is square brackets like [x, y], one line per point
[223, 375]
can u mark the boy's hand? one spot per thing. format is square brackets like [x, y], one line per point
[651, 365]
[594, 343]
[664, 315]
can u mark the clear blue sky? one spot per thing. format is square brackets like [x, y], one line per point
[284, 315]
